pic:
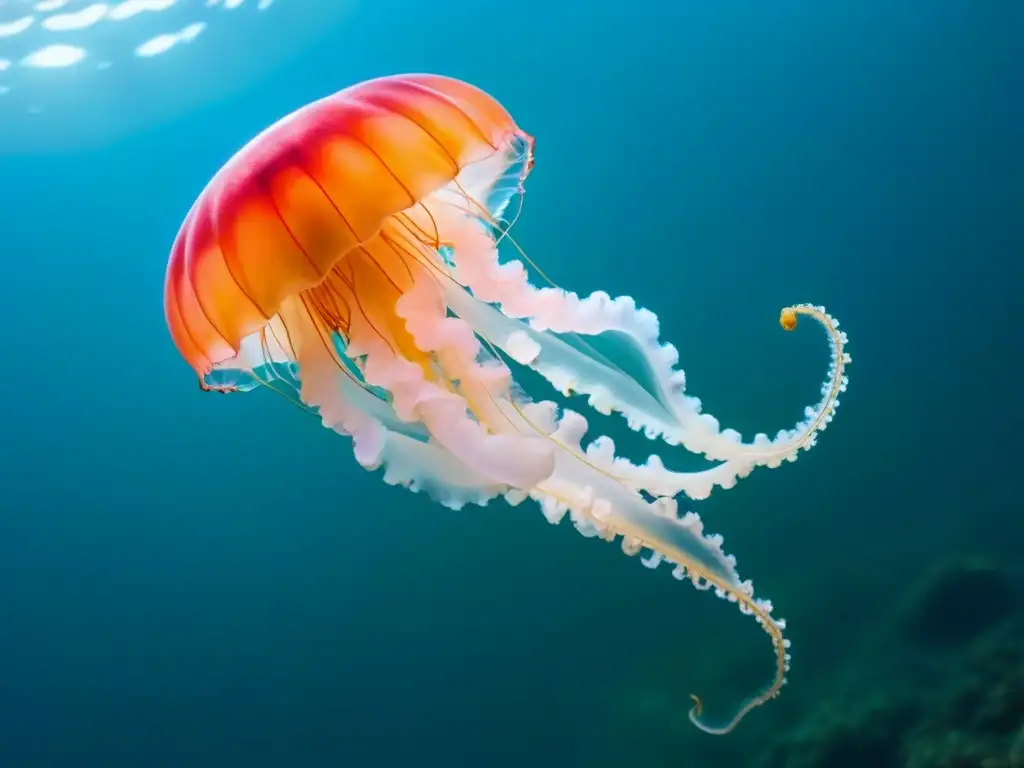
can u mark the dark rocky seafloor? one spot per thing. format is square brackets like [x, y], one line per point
[941, 687]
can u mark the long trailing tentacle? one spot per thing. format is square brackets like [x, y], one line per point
[651, 477]
[601, 506]
[555, 333]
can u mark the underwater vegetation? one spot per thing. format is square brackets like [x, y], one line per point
[943, 688]
[348, 259]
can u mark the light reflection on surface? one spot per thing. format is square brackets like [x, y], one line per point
[60, 16]
[102, 64]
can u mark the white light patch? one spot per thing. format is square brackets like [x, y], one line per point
[163, 43]
[54, 57]
[191, 32]
[16, 27]
[262, 5]
[129, 8]
[5, 64]
[66, 22]
[232, 4]
[47, 6]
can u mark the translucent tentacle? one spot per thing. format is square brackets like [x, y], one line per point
[556, 340]
[444, 413]
[530, 347]
[600, 505]
[654, 478]
[290, 357]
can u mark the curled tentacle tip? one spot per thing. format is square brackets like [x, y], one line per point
[698, 705]
[787, 319]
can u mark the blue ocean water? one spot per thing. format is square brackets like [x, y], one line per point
[190, 580]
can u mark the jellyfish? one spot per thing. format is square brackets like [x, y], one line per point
[356, 257]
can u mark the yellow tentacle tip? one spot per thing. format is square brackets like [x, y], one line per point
[698, 705]
[788, 319]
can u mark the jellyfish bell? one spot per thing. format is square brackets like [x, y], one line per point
[348, 259]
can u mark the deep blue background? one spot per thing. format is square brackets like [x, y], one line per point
[190, 580]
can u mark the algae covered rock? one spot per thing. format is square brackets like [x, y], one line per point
[958, 601]
[944, 688]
